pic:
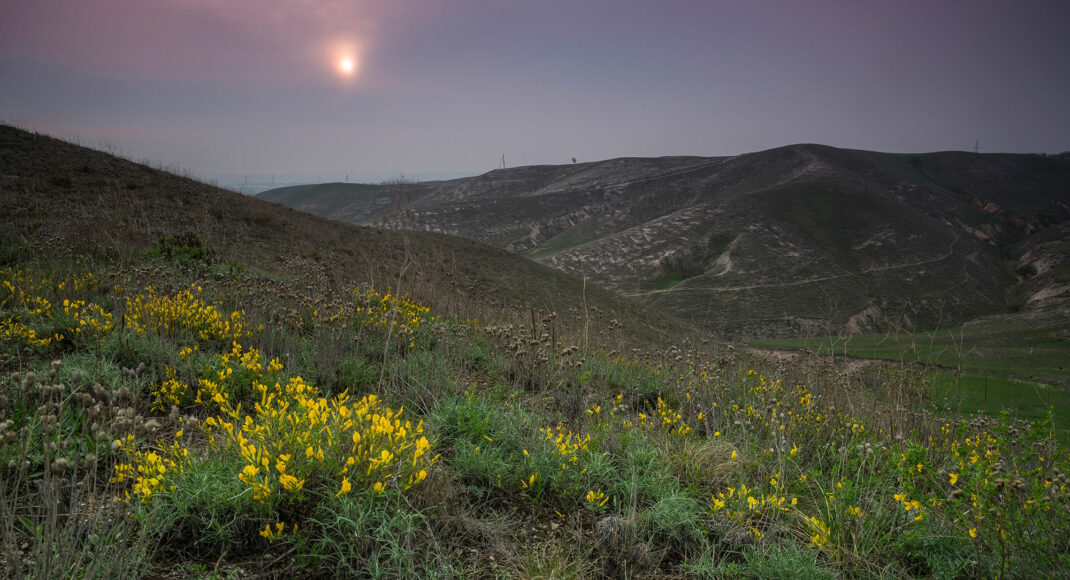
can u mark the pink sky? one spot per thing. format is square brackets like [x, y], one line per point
[240, 86]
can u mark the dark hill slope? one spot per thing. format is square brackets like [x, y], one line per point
[794, 240]
[72, 203]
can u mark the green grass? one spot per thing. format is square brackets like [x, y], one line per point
[993, 394]
[563, 241]
[666, 281]
[992, 365]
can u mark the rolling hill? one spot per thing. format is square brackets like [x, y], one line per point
[792, 241]
[80, 205]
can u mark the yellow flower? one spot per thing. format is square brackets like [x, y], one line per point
[734, 455]
[291, 483]
[346, 487]
[954, 477]
[973, 532]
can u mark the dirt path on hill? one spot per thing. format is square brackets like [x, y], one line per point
[948, 254]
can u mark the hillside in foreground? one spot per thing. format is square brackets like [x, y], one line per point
[200, 385]
[792, 241]
[74, 204]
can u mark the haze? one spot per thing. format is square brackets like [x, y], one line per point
[436, 89]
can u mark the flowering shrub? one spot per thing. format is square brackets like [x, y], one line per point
[667, 420]
[185, 312]
[26, 296]
[14, 332]
[226, 376]
[149, 472]
[87, 321]
[382, 314]
[293, 436]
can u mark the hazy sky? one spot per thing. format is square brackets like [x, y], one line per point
[256, 86]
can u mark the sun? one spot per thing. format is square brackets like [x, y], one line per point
[345, 59]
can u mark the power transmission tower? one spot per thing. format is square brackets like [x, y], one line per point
[502, 166]
[976, 146]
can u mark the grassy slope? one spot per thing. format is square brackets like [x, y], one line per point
[545, 459]
[1003, 362]
[57, 195]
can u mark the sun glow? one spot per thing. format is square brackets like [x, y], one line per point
[345, 60]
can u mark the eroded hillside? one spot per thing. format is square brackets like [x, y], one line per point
[790, 241]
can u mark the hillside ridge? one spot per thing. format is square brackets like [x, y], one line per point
[816, 236]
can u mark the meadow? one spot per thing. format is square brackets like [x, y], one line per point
[197, 384]
[186, 420]
[994, 364]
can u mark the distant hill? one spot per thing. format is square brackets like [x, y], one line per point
[76, 204]
[796, 240]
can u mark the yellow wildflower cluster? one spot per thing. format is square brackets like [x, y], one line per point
[390, 313]
[149, 471]
[15, 332]
[596, 499]
[567, 445]
[742, 504]
[183, 312]
[293, 436]
[24, 294]
[27, 289]
[228, 375]
[92, 322]
[398, 316]
[276, 532]
[819, 532]
[667, 420]
[912, 506]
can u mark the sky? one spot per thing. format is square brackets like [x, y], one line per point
[448, 87]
